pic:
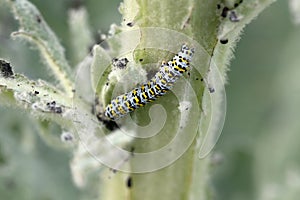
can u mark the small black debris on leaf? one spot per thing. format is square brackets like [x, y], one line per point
[6, 69]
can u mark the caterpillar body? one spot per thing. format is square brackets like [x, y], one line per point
[157, 86]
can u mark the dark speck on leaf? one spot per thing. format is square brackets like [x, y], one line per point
[211, 90]
[129, 182]
[120, 63]
[233, 17]
[38, 19]
[224, 12]
[5, 69]
[224, 41]
[130, 24]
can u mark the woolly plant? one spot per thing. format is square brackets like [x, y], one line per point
[160, 151]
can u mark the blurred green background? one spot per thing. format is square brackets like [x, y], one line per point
[260, 143]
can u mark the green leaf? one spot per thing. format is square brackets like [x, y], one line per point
[39, 97]
[80, 33]
[34, 29]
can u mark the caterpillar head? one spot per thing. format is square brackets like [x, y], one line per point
[186, 52]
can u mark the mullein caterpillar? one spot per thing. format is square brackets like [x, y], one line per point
[157, 86]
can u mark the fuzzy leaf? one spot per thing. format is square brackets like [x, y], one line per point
[80, 33]
[39, 97]
[34, 29]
